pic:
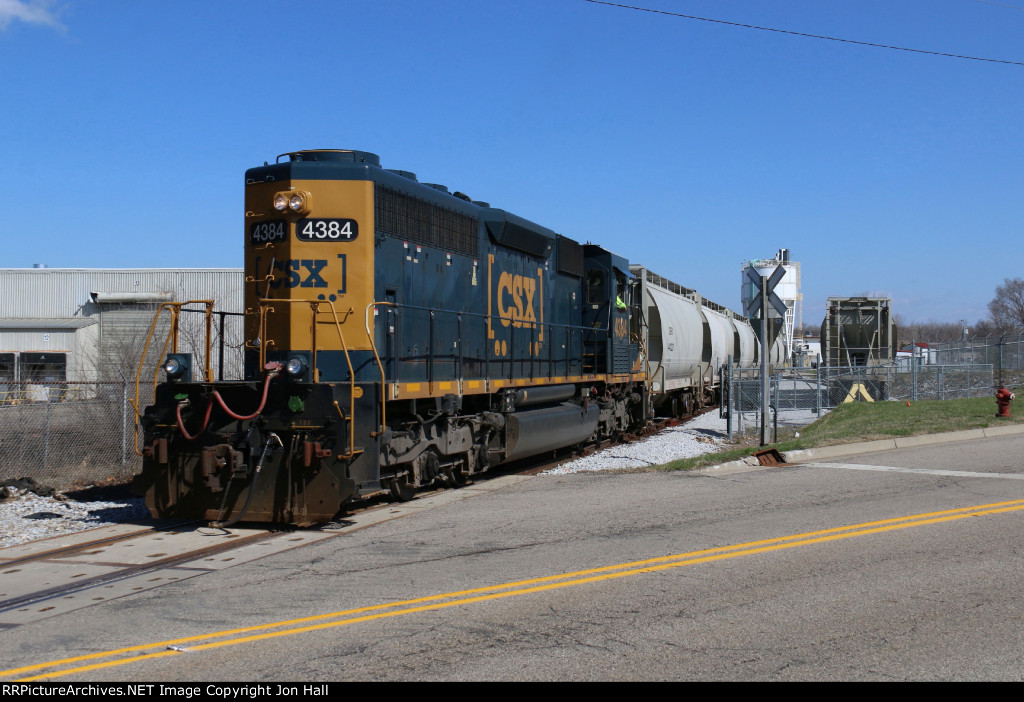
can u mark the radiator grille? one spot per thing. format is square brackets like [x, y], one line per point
[411, 219]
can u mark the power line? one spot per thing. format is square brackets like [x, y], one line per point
[801, 34]
[1000, 4]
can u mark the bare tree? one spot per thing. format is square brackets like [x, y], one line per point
[929, 331]
[1006, 310]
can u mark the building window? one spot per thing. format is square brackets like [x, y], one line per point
[43, 367]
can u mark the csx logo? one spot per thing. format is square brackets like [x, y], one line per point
[301, 273]
[515, 300]
[621, 328]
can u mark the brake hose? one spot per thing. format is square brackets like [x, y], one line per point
[272, 368]
[181, 422]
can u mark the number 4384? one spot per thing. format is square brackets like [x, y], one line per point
[326, 229]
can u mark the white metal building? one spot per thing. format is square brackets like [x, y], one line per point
[79, 324]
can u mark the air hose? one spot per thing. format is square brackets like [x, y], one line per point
[181, 422]
[273, 369]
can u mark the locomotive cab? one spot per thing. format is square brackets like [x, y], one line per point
[610, 313]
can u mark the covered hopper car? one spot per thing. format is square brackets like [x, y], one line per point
[399, 335]
[858, 331]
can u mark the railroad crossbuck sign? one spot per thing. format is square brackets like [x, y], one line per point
[761, 306]
[752, 307]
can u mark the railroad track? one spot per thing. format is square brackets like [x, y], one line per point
[38, 584]
[78, 546]
[83, 581]
[46, 578]
[41, 580]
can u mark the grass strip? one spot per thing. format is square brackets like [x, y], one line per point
[868, 421]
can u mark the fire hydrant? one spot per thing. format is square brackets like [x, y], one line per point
[1003, 399]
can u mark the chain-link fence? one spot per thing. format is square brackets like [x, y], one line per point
[798, 396]
[73, 433]
[64, 434]
[1004, 353]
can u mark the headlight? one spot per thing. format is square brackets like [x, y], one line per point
[296, 366]
[292, 202]
[178, 367]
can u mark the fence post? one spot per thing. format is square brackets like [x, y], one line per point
[1000, 357]
[729, 402]
[124, 420]
[775, 401]
[913, 377]
[739, 405]
[723, 388]
[817, 391]
[46, 435]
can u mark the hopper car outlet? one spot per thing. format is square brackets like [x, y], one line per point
[398, 335]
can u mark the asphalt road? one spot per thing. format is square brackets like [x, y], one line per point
[894, 565]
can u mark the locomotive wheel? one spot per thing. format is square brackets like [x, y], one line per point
[429, 467]
[456, 475]
[401, 488]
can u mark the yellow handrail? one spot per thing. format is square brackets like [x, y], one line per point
[314, 307]
[265, 308]
[171, 340]
[351, 379]
[376, 357]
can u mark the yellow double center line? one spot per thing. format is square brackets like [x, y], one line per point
[232, 637]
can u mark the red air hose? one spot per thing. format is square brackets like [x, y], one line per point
[263, 401]
[272, 369]
[181, 422]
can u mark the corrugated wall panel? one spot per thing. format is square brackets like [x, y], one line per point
[38, 340]
[64, 292]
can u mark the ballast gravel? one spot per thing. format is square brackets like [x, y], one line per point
[705, 434]
[30, 517]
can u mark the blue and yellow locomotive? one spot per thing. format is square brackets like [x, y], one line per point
[397, 335]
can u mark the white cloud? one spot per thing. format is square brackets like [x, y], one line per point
[31, 11]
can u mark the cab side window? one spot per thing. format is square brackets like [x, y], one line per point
[596, 293]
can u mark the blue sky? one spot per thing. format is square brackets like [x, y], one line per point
[687, 146]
